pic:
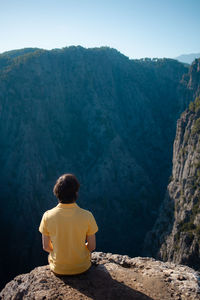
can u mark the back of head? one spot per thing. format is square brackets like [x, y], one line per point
[66, 188]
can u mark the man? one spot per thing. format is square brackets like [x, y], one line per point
[68, 231]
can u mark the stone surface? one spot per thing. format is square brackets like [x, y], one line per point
[176, 234]
[110, 277]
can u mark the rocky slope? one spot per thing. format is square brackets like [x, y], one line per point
[110, 277]
[177, 231]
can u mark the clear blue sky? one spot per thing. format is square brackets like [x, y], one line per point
[137, 28]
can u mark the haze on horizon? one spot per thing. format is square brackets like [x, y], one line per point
[137, 28]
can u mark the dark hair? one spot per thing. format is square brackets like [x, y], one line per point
[66, 188]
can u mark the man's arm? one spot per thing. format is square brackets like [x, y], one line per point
[91, 242]
[46, 243]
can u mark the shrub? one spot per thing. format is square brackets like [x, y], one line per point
[196, 127]
[195, 106]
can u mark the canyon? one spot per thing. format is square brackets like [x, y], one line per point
[109, 120]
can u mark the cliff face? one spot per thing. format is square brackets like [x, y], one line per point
[177, 230]
[110, 277]
[194, 77]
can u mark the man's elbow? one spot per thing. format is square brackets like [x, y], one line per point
[91, 247]
[47, 249]
[91, 242]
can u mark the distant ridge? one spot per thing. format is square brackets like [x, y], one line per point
[188, 58]
[18, 52]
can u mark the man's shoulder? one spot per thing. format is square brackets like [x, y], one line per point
[85, 212]
[50, 212]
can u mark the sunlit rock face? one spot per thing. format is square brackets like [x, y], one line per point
[110, 277]
[97, 114]
[176, 234]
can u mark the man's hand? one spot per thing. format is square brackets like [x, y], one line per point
[46, 243]
[91, 242]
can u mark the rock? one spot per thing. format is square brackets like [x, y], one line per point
[108, 279]
[176, 233]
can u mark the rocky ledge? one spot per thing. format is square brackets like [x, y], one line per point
[111, 276]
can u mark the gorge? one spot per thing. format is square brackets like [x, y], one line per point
[109, 120]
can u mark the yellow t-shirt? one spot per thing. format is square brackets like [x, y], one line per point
[68, 225]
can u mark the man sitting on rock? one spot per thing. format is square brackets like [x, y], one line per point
[68, 231]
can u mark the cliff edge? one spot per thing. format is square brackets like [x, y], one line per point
[110, 277]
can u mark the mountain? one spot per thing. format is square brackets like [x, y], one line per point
[188, 58]
[97, 114]
[176, 234]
